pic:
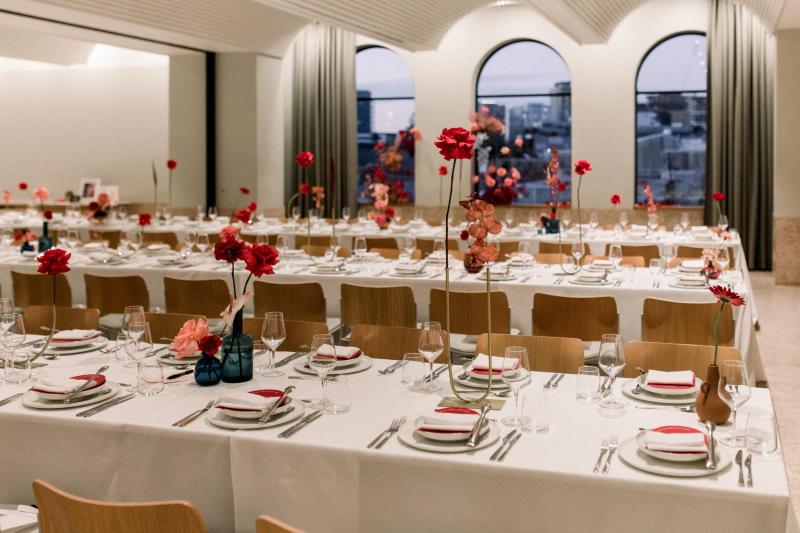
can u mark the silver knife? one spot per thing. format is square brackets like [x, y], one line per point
[10, 399]
[300, 425]
[510, 445]
[502, 447]
[558, 380]
[476, 431]
[550, 381]
[85, 384]
[104, 406]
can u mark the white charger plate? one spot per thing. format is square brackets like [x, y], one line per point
[485, 377]
[630, 453]
[364, 363]
[220, 419]
[669, 456]
[678, 285]
[647, 397]
[495, 277]
[63, 345]
[408, 435]
[326, 272]
[255, 414]
[34, 401]
[170, 359]
[461, 436]
[396, 274]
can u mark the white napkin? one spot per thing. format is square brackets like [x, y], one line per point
[481, 362]
[100, 256]
[639, 227]
[342, 353]
[156, 247]
[92, 246]
[699, 228]
[674, 442]
[689, 279]
[410, 269]
[588, 275]
[293, 253]
[245, 401]
[455, 422]
[658, 377]
[68, 335]
[61, 385]
[693, 264]
[602, 263]
[23, 518]
[521, 258]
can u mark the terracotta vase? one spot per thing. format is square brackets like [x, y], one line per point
[708, 403]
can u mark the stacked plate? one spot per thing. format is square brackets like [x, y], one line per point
[675, 451]
[663, 392]
[75, 341]
[330, 267]
[590, 278]
[348, 363]
[51, 393]
[497, 274]
[244, 410]
[689, 281]
[446, 430]
[415, 270]
[170, 358]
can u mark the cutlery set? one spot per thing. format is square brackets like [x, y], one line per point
[289, 358]
[742, 464]
[508, 442]
[436, 373]
[12, 398]
[553, 382]
[558, 281]
[191, 417]
[306, 420]
[607, 449]
[103, 406]
[391, 368]
[386, 434]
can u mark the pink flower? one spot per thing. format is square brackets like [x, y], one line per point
[41, 194]
[515, 173]
[185, 343]
[501, 172]
[505, 150]
[490, 181]
[380, 204]
[518, 142]
[475, 180]
[508, 182]
[229, 232]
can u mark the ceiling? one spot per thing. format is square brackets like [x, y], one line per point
[269, 26]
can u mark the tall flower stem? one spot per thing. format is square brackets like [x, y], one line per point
[716, 332]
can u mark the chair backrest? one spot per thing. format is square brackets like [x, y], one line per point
[380, 306]
[267, 524]
[36, 317]
[388, 342]
[468, 314]
[634, 261]
[299, 333]
[676, 262]
[507, 248]
[110, 235]
[207, 297]
[167, 325]
[583, 318]
[672, 357]
[547, 247]
[381, 242]
[645, 251]
[297, 301]
[685, 323]
[60, 512]
[695, 252]
[549, 258]
[545, 354]
[37, 289]
[319, 250]
[425, 245]
[394, 253]
[111, 294]
[164, 237]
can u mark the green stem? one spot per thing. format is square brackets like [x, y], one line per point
[716, 331]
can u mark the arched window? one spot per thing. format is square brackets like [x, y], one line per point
[525, 85]
[385, 93]
[671, 121]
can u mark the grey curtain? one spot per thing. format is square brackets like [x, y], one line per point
[740, 136]
[324, 113]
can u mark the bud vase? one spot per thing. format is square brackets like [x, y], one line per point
[708, 404]
[208, 370]
[45, 241]
[237, 353]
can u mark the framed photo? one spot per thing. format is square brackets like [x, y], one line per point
[89, 188]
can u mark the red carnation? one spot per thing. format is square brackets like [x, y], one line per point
[252, 206]
[23, 186]
[244, 190]
[464, 235]
[54, 261]
[304, 188]
[582, 167]
[209, 344]
[171, 164]
[229, 250]
[615, 199]
[243, 216]
[718, 196]
[304, 159]
[94, 206]
[259, 259]
[455, 143]
[389, 212]
[48, 215]
[561, 186]
[145, 219]
[443, 170]
[727, 295]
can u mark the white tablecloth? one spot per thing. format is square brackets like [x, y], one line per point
[324, 479]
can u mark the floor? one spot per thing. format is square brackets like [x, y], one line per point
[779, 345]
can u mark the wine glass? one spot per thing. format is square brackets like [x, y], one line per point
[203, 242]
[734, 390]
[280, 244]
[166, 212]
[18, 366]
[439, 249]
[594, 220]
[515, 373]
[615, 255]
[135, 239]
[722, 222]
[685, 221]
[336, 245]
[623, 220]
[140, 345]
[212, 213]
[363, 218]
[724, 259]
[577, 252]
[509, 218]
[612, 361]
[652, 222]
[262, 238]
[398, 216]
[667, 255]
[134, 314]
[566, 218]
[431, 346]
[418, 215]
[409, 245]
[313, 216]
[322, 359]
[73, 239]
[273, 333]
[296, 215]
[7, 306]
[190, 240]
[360, 247]
[345, 215]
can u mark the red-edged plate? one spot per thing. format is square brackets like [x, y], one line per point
[254, 412]
[676, 457]
[58, 396]
[673, 390]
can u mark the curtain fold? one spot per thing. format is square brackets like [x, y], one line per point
[740, 136]
[324, 113]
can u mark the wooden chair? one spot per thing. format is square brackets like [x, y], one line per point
[381, 242]
[298, 332]
[672, 357]
[207, 297]
[394, 253]
[388, 342]
[425, 245]
[507, 248]
[112, 236]
[694, 252]
[167, 325]
[468, 311]
[36, 317]
[111, 294]
[685, 323]
[546, 247]
[545, 354]
[37, 289]
[645, 251]
[565, 316]
[549, 258]
[267, 524]
[297, 301]
[634, 261]
[318, 250]
[160, 237]
[676, 262]
[379, 306]
[61, 512]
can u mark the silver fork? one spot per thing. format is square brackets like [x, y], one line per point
[603, 450]
[189, 418]
[392, 430]
[391, 368]
[395, 425]
[612, 447]
[550, 381]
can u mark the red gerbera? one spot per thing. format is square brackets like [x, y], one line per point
[54, 261]
[171, 164]
[244, 190]
[727, 295]
[94, 206]
[23, 186]
[304, 188]
[229, 250]
[48, 215]
[582, 167]
[615, 199]
[252, 206]
[464, 235]
[389, 212]
[259, 259]
[561, 186]
[443, 170]
[209, 344]
[455, 143]
[243, 216]
[304, 159]
[718, 196]
[145, 219]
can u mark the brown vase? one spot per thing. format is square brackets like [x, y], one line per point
[471, 265]
[708, 403]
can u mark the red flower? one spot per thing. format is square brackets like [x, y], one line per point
[403, 195]
[379, 146]
[380, 175]
[455, 143]
[304, 159]
[252, 206]
[23, 186]
[145, 219]
[615, 199]
[94, 206]
[726, 295]
[48, 215]
[53, 261]
[304, 188]
[244, 190]
[561, 186]
[718, 196]
[209, 344]
[229, 250]
[389, 212]
[582, 167]
[464, 235]
[171, 164]
[243, 216]
[443, 170]
[259, 259]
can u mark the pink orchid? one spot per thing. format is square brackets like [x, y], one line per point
[515, 175]
[185, 343]
[381, 204]
[490, 181]
[475, 180]
[41, 194]
[508, 182]
[229, 232]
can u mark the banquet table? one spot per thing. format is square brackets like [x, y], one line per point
[324, 479]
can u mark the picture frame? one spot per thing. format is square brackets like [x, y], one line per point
[89, 188]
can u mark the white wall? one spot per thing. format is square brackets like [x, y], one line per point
[603, 110]
[60, 124]
[787, 119]
[271, 79]
[187, 129]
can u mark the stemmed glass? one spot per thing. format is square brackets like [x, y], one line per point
[7, 306]
[566, 218]
[360, 247]
[273, 333]
[439, 249]
[203, 242]
[577, 252]
[166, 212]
[398, 216]
[134, 314]
[509, 218]
[13, 331]
[612, 361]
[212, 213]
[139, 347]
[135, 239]
[685, 221]
[362, 216]
[336, 245]
[322, 362]
[431, 346]
[515, 373]
[594, 220]
[724, 259]
[667, 255]
[734, 390]
[73, 239]
[722, 222]
[623, 220]
[296, 212]
[409, 245]
[262, 238]
[615, 255]
[190, 240]
[345, 215]
[652, 222]
[280, 244]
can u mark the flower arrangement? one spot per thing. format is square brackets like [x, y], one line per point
[171, 165]
[186, 342]
[52, 262]
[652, 207]
[718, 197]
[502, 181]
[725, 295]
[483, 122]
[145, 219]
[388, 167]
[98, 209]
[711, 269]
[383, 214]
[553, 180]
[581, 168]
[480, 224]
[229, 232]
[615, 200]
[209, 345]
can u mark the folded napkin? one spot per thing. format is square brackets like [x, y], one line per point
[638, 227]
[680, 379]
[100, 256]
[699, 228]
[602, 263]
[521, 258]
[480, 365]
[154, 247]
[689, 279]
[342, 353]
[693, 264]
[588, 275]
[255, 400]
[92, 246]
[330, 266]
[410, 269]
[293, 253]
[675, 439]
[72, 335]
[67, 385]
[449, 420]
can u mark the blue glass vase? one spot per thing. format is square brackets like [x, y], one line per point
[45, 241]
[553, 226]
[237, 353]
[208, 370]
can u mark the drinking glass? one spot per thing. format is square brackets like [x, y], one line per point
[139, 346]
[723, 222]
[363, 218]
[345, 215]
[587, 384]
[509, 218]
[135, 239]
[6, 237]
[409, 245]
[566, 218]
[594, 220]
[313, 216]
[190, 240]
[296, 212]
[212, 213]
[280, 244]
[199, 213]
[431, 346]
[398, 216]
[535, 413]
[655, 266]
[734, 390]
[121, 350]
[150, 377]
[439, 248]
[685, 221]
[338, 396]
[724, 258]
[615, 255]
[336, 245]
[623, 220]
[515, 373]
[73, 239]
[652, 222]
[568, 263]
[273, 333]
[667, 255]
[322, 363]
[612, 361]
[761, 433]
[262, 238]
[413, 371]
[360, 247]
[577, 252]
[133, 314]
[418, 215]
[18, 365]
[7, 306]
[203, 242]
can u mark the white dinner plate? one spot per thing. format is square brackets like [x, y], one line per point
[220, 419]
[364, 362]
[669, 456]
[630, 453]
[689, 391]
[326, 272]
[422, 273]
[679, 285]
[34, 401]
[649, 397]
[94, 345]
[247, 414]
[170, 359]
[408, 435]
[589, 283]
[63, 345]
[480, 384]
[495, 277]
[485, 377]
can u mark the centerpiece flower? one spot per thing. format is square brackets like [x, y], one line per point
[52, 262]
[171, 165]
[145, 219]
[581, 168]
[208, 370]
[553, 180]
[718, 197]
